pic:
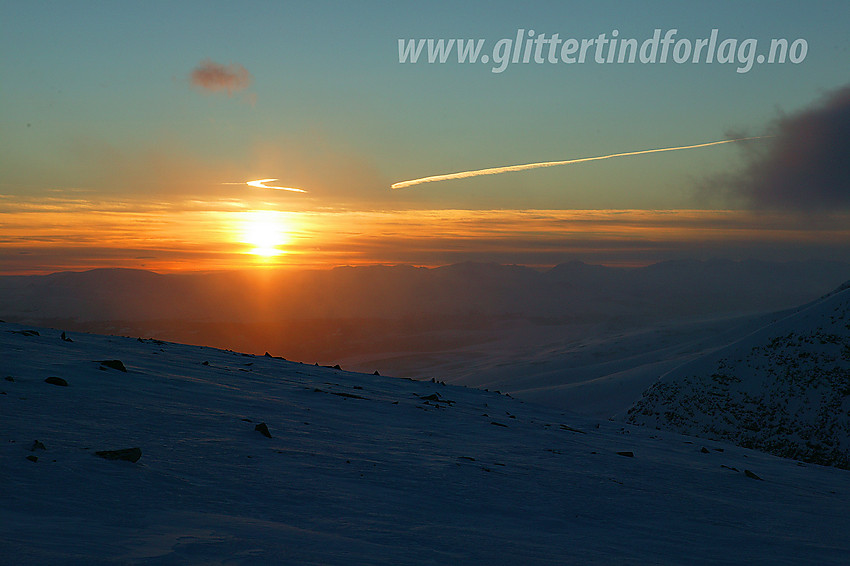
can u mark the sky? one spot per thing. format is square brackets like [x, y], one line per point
[129, 131]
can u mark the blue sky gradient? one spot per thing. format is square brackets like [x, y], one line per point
[97, 98]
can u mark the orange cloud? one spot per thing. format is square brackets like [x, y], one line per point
[214, 77]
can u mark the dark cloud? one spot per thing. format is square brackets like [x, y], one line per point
[214, 77]
[805, 166]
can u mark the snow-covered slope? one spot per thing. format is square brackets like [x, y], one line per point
[784, 389]
[597, 370]
[363, 469]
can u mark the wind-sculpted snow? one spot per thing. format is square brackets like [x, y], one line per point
[785, 389]
[201, 456]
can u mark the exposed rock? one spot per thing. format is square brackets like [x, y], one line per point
[32, 458]
[56, 381]
[376, 373]
[783, 389]
[114, 364]
[65, 338]
[36, 445]
[10, 378]
[627, 453]
[435, 398]
[25, 332]
[128, 454]
[750, 474]
[263, 429]
[704, 450]
[346, 395]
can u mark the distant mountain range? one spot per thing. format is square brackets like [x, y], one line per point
[784, 389]
[567, 292]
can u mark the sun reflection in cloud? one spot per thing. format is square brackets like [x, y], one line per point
[266, 231]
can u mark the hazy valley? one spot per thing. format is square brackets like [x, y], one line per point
[581, 337]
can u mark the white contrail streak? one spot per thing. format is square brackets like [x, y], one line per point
[261, 184]
[512, 168]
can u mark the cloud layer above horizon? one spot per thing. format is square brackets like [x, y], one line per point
[70, 232]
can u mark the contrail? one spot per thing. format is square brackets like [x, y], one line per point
[261, 184]
[511, 168]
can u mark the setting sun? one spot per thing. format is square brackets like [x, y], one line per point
[266, 231]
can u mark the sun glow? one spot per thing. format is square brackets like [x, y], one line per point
[266, 231]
